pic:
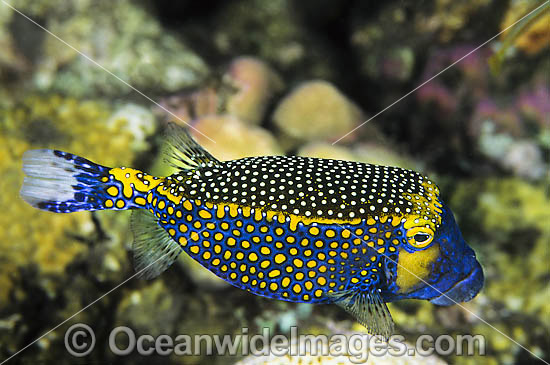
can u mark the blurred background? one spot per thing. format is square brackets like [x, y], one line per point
[264, 77]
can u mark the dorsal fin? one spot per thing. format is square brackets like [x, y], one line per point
[154, 250]
[185, 153]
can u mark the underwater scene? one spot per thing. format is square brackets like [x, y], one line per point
[275, 182]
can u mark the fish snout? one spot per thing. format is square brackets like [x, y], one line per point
[465, 289]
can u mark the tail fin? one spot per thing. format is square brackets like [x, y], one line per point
[62, 182]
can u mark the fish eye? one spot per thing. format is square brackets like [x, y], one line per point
[420, 237]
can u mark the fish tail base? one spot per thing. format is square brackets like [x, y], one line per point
[62, 182]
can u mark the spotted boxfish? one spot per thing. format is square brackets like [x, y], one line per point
[292, 228]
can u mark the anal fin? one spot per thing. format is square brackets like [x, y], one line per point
[154, 249]
[368, 308]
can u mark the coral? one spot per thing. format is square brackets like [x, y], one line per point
[526, 117]
[43, 243]
[158, 301]
[11, 59]
[524, 159]
[316, 110]
[138, 120]
[450, 16]
[535, 36]
[326, 150]
[49, 244]
[533, 105]
[244, 92]
[233, 138]
[508, 135]
[386, 51]
[483, 137]
[508, 219]
[473, 69]
[199, 275]
[324, 354]
[123, 38]
[399, 64]
[382, 154]
[378, 46]
[368, 153]
[276, 36]
[284, 316]
[256, 83]
[192, 104]
[395, 64]
[508, 132]
[523, 28]
[274, 20]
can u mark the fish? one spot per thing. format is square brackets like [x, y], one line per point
[292, 228]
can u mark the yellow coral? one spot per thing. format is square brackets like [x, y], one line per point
[234, 139]
[536, 35]
[30, 236]
[256, 82]
[316, 110]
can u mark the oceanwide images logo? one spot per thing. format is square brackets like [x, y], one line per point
[80, 341]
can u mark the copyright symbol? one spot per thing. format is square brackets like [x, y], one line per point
[79, 340]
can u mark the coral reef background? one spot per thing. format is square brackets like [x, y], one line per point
[265, 77]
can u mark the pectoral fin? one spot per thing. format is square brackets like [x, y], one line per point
[154, 250]
[368, 308]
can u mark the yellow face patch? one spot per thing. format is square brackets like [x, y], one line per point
[414, 267]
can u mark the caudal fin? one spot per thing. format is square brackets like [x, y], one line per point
[62, 182]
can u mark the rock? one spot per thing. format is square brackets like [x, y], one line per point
[12, 60]
[276, 36]
[505, 220]
[79, 127]
[191, 105]
[524, 159]
[161, 304]
[58, 263]
[354, 350]
[535, 36]
[446, 18]
[137, 120]
[256, 83]
[470, 129]
[534, 107]
[508, 135]
[228, 138]
[316, 110]
[367, 153]
[381, 154]
[125, 39]
[326, 150]
[201, 276]
[244, 92]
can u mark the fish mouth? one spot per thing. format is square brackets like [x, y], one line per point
[463, 290]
